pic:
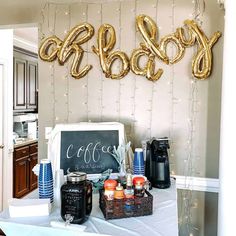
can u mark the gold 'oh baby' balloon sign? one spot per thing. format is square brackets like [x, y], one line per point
[106, 42]
[53, 48]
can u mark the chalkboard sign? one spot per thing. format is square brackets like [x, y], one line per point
[88, 151]
[85, 147]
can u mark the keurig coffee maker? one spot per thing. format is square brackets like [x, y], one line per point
[157, 168]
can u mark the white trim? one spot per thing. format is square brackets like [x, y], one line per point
[25, 44]
[197, 183]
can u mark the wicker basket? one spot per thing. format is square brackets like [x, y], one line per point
[123, 208]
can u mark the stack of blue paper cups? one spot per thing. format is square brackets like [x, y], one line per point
[138, 166]
[45, 180]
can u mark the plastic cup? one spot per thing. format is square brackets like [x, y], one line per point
[45, 180]
[138, 164]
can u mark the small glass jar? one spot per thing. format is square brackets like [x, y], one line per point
[76, 198]
[119, 192]
[109, 187]
[139, 189]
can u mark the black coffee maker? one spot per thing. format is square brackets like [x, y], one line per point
[157, 168]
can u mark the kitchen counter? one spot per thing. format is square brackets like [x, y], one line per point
[24, 142]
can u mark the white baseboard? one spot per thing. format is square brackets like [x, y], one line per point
[197, 183]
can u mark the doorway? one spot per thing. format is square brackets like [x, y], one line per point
[15, 36]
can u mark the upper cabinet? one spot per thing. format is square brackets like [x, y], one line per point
[25, 82]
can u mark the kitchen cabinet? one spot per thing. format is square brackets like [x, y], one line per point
[25, 82]
[24, 179]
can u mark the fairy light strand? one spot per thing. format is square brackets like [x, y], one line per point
[87, 79]
[68, 70]
[135, 83]
[119, 105]
[46, 10]
[171, 84]
[53, 69]
[153, 89]
[187, 196]
[101, 73]
[42, 22]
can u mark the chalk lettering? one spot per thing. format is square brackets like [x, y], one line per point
[89, 153]
[70, 148]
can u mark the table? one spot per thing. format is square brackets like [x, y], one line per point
[163, 222]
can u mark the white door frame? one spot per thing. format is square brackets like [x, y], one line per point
[6, 187]
[6, 120]
[5, 139]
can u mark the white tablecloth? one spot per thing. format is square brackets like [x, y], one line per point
[163, 221]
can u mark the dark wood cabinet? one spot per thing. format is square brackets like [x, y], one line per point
[24, 179]
[33, 154]
[32, 89]
[25, 83]
[20, 83]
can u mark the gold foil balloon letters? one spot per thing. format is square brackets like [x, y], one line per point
[202, 61]
[106, 41]
[149, 70]
[145, 24]
[54, 48]
[64, 49]
[174, 40]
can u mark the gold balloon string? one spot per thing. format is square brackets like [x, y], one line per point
[198, 10]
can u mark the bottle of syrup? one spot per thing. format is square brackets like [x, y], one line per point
[129, 191]
[129, 197]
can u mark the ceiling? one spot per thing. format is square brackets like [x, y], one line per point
[29, 34]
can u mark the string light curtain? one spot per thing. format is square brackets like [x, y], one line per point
[171, 107]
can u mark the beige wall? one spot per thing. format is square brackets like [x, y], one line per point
[147, 109]
[14, 12]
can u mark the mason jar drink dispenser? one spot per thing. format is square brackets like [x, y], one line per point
[76, 198]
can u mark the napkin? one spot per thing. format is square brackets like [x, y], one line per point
[29, 207]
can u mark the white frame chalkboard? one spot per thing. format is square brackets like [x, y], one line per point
[54, 143]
